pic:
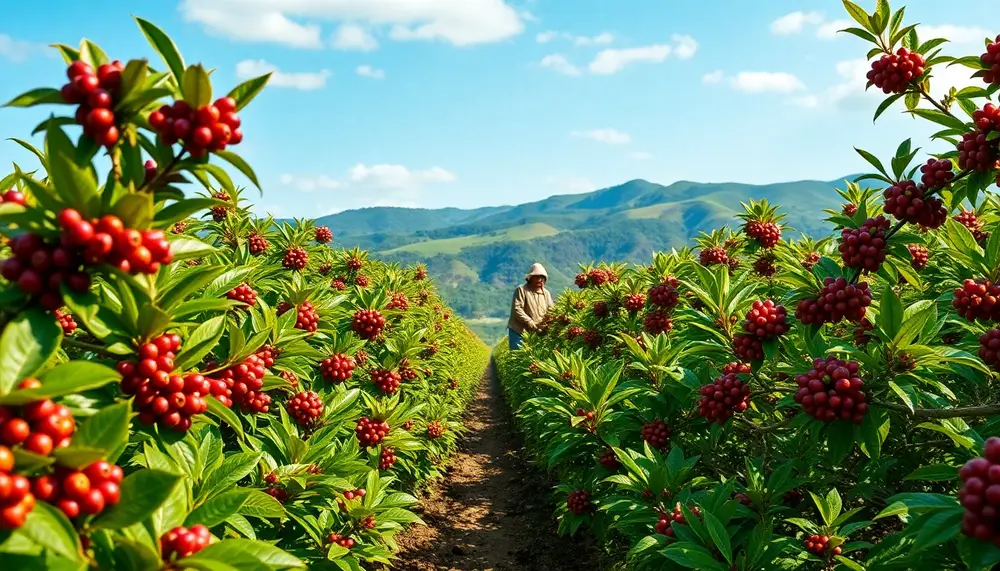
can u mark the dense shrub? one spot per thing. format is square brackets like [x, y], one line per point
[860, 434]
[182, 385]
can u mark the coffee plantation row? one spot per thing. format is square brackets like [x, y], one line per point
[760, 402]
[186, 386]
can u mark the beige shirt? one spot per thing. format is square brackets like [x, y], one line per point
[528, 308]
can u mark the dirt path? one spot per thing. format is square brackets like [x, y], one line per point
[493, 512]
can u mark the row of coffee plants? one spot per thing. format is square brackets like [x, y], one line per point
[767, 403]
[182, 385]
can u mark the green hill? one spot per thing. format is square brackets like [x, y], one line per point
[478, 255]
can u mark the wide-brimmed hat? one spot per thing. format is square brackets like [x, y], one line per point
[537, 270]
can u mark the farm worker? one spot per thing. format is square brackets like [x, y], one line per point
[531, 302]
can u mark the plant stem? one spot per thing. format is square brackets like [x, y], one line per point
[963, 412]
[89, 347]
[933, 101]
[162, 172]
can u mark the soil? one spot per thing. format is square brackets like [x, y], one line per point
[493, 511]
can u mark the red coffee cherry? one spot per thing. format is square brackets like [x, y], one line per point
[864, 247]
[657, 322]
[663, 296]
[909, 202]
[324, 235]
[243, 293]
[936, 173]
[980, 494]
[657, 434]
[295, 259]
[578, 502]
[918, 256]
[181, 542]
[436, 429]
[371, 432]
[386, 458]
[337, 368]
[368, 324]
[712, 256]
[386, 380]
[257, 244]
[969, 219]
[977, 300]
[398, 301]
[832, 390]
[664, 525]
[893, 73]
[723, 398]
[767, 234]
[305, 408]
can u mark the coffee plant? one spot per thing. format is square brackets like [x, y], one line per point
[767, 401]
[183, 385]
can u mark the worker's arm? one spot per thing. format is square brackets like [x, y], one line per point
[518, 310]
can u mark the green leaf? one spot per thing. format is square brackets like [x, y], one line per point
[233, 469]
[246, 554]
[135, 209]
[185, 248]
[246, 91]
[863, 34]
[886, 103]
[934, 473]
[890, 316]
[938, 528]
[49, 528]
[201, 342]
[142, 493]
[720, 536]
[872, 160]
[219, 410]
[164, 46]
[197, 86]
[240, 164]
[107, 429]
[92, 54]
[858, 13]
[76, 185]
[26, 344]
[183, 209]
[66, 379]
[40, 96]
[940, 118]
[78, 457]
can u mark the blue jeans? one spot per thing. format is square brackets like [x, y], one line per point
[514, 339]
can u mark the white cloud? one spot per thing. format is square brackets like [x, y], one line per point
[830, 30]
[459, 22]
[612, 61]
[396, 176]
[371, 72]
[16, 50]
[713, 77]
[310, 183]
[794, 22]
[602, 39]
[609, 136]
[559, 64]
[641, 155]
[353, 37]
[766, 81]
[297, 80]
[546, 37]
[685, 46]
[955, 34]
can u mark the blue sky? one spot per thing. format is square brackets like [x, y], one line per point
[468, 103]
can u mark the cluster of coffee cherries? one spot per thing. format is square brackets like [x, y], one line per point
[766, 233]
[723, 398]
[862, 332]
[970, 220]
[257, 244]
[16, 499]
[305, 408]
[578, 502]
[713, 256]
[657, 322]
[324, 235]
[296, 258]
[436, 429]
[978, 300]
[634, 302]
[361, 280]
[160, 396]
[95, 93]
[978, 149]
[306, 317]
[107, 240]
[80, 492]
[207, 128]
[820, 545]
[982, 506]
[219, 213]
[368, 323]
[574, 331]
[592, 339]
[989, 348]
[811, 260]
[832, 390]
[399, 302]
[600, 309]
[370, 432]
[656, 434]
[609, 459]
[337, 368]
[894, 72]
[908, 201]
[386, 380]
[764, 265]
[241, 385]
[595, 278]
[864, 247]
[39, 269]
[936, 173]
[38, 427]
[664, 526]
[386, 458]
[766, 320]
[243, 293]
[66, 321]
[338, 283]
[420, 274]
[181, 542]
[663, 296]
[919, 255]
[839, 299]
[341, 540]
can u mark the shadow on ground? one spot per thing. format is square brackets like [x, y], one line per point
[493, 511]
